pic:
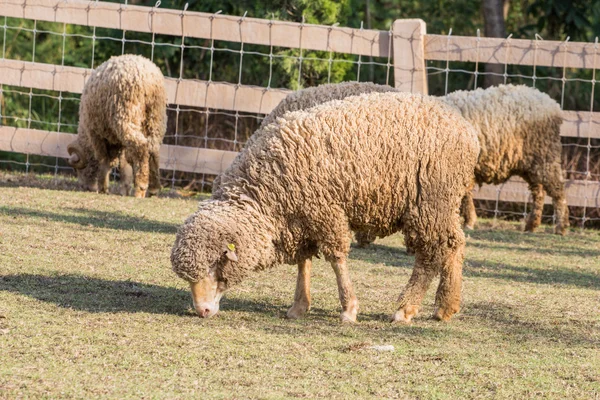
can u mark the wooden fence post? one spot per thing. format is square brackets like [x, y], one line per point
[410, 74]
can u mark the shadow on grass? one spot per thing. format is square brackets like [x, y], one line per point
[382, 254]
[497, 270]
[106, 296]
[98, 219]
[506, 318]
[98, 295]
[95, 295]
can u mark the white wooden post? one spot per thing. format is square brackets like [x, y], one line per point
[410, 74]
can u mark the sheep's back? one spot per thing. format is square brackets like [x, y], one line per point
[514, 124]
[126, 89]
[366, 157]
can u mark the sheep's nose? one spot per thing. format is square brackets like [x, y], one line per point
[204, 312]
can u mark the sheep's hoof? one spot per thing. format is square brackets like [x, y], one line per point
[348, 317]
[559, 230]
[469, 228]
[444, 314]
[153, 192]
[404, 315]
[297, 310]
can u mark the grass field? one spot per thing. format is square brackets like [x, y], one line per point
[90, 309]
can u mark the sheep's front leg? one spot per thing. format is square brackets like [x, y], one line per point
[346, 291]
[104, 176]
[467, 210]
[302, 297]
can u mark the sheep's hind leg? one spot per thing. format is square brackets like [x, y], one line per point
[302, 297]
[126, 176]
[534, 219]
[448, 295]
[346, 291]
[155, 186]
[555, 187]
[412, 295]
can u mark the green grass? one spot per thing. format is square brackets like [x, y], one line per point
[89, 308]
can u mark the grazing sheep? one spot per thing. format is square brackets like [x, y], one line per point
[519, 132]
[122, 112]
[383, 161]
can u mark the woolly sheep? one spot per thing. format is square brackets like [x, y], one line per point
[386, 161]
[122, 114]
[519, 132]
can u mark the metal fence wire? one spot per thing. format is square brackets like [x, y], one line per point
[219, 93]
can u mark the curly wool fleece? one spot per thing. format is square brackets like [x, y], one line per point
[123, 109]
[382, 161]
[519, 132]
[308, 98]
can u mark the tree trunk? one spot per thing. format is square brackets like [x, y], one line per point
[493, 19]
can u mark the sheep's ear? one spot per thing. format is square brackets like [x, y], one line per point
[230, 252]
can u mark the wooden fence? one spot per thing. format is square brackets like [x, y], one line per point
[406, 46]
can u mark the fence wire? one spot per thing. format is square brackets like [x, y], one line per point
[241, 63]
[554, 82]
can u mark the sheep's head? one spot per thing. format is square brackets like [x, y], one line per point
[205, 255]
[87, 168]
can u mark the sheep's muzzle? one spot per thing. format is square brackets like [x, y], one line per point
[205, 296]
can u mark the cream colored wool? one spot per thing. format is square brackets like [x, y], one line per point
[308, 98]
[123, 115]
[380, 162]
[519, 132]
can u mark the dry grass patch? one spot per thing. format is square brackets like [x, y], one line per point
[90, 308]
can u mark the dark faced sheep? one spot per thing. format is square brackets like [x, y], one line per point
[122, 115]
[382, 161]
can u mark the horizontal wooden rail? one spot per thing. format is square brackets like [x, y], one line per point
[579, 193]
[366, 42]
[54, 144]
[512, 51]
[208, 161]
[186, 92]
[218, 95]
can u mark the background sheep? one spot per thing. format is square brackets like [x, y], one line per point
[123, 114]
[519, 132]
[383, 161]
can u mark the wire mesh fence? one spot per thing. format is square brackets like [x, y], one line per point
[573, 88]
[225, 73]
